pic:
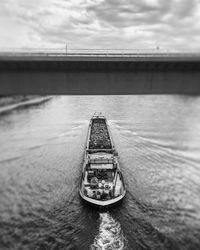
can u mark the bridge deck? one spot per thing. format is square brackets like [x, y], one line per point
[41, 56]
[100, 73]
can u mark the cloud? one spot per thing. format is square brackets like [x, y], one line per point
[173, 24]
[123, 13]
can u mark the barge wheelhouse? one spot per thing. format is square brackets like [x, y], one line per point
[102, 182]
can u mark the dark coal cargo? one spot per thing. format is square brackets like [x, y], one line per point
[99, 137]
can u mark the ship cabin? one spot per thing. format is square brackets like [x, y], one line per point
[101, 177]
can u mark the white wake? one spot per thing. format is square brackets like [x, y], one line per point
[110, 235]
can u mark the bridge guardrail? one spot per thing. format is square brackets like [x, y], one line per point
[97, 53]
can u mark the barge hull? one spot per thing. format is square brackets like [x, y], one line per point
[103, 204]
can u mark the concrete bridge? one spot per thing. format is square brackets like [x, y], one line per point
[103, 73]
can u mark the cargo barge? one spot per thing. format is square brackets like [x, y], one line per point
[102, 182]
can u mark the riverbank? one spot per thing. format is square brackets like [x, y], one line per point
[10, 103]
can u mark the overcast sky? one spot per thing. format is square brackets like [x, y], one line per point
[169, 24]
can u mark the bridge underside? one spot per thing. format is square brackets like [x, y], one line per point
[97, 75]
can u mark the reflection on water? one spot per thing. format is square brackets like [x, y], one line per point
[42, 148]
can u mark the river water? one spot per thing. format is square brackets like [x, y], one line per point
[41, 155]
